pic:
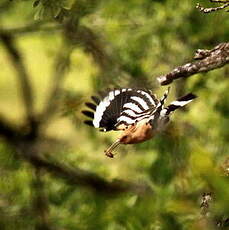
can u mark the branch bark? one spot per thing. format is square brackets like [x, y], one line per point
[212, 9]
[206, 60]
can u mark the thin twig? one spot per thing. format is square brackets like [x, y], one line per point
[206, 60]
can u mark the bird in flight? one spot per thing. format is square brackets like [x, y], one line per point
[136, 112]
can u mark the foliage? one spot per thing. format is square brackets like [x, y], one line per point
[89, 45]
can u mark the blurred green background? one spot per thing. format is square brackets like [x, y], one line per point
[90, 45]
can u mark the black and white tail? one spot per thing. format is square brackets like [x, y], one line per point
[180, 102]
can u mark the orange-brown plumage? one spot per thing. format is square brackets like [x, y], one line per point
[133, 134]
[136, 133]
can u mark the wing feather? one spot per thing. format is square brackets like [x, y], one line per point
[121, 106]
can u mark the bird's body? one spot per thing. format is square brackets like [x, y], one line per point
[136, 112]
[137, 133]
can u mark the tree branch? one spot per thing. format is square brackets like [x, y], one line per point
[10, 133]
[212, 9]
[16, 60]
[206, 60]
[77, 176]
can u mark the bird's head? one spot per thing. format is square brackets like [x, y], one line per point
[136, 133]
[125, 138]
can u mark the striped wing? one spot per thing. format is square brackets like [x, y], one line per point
[120, 107]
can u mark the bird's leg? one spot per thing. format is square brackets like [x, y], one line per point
[108, 152]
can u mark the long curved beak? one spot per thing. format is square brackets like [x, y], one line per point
[108, 152]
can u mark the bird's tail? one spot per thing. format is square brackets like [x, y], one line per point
[180, 102]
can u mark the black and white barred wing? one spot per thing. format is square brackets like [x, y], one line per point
[119, 107]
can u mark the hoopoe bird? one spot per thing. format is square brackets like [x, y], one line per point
[136, 112]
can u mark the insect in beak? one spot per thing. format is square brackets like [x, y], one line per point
[108, 152]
